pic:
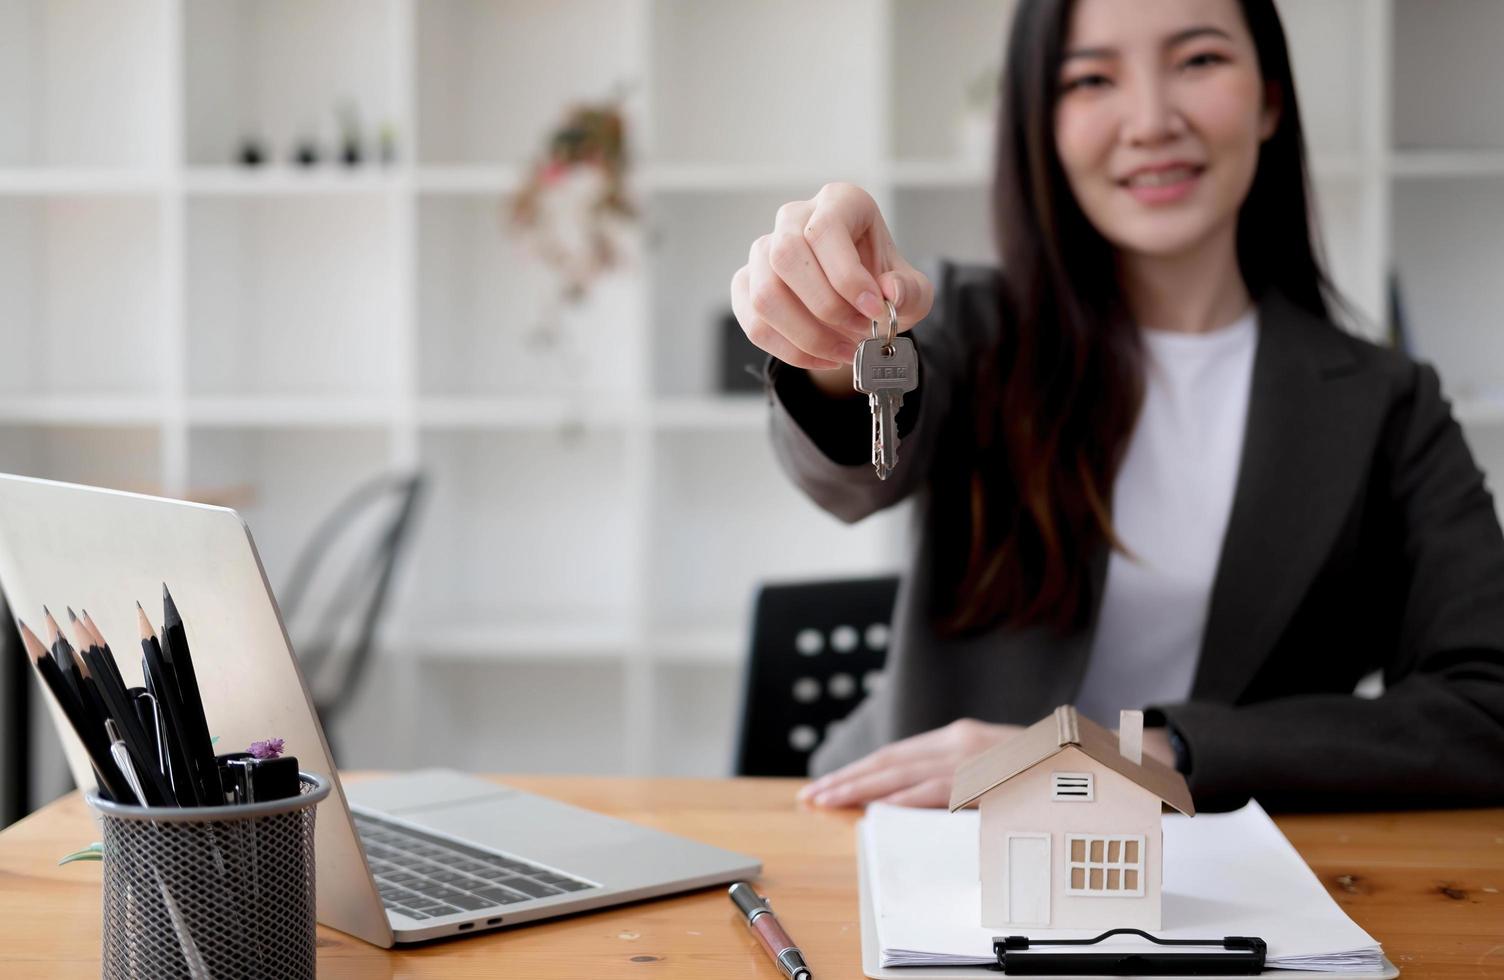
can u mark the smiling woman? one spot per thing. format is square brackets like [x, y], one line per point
[1152, 471]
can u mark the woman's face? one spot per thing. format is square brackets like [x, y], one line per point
[1159, 121]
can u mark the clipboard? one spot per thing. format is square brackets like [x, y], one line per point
[872, 954]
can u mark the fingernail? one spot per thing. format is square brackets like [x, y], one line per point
[898, 293]
[824, 799]
[871, 305]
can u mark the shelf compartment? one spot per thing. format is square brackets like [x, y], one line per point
[726, 519]
[1330, 59]
[84, 84]
[81, 306]
[520, 717]
[700, 240]
[285, 481]
[1346, 223]
[475, 56]
[521, 531]
[945, 51]
[712, 102]
[494, 323]
[117, 457]
[697, 707]
[1446, 55]
[277, 70]
[946, 222]
[1448, 236]
[291, 296]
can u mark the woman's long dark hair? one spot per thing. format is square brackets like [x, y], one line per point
[1057, 400]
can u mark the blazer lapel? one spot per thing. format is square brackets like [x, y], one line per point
[1310, 429]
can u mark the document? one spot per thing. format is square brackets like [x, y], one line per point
[1225, 874]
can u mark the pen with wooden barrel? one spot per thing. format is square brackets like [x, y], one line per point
[761, 920]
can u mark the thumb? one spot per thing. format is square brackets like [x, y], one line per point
[909, 290]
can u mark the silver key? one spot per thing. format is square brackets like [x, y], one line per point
[884, 370]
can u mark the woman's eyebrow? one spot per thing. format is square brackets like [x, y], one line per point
[1179, 37]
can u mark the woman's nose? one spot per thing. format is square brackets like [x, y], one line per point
[1151, 116]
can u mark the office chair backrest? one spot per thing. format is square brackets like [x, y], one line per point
[338, 590]
[818, 648]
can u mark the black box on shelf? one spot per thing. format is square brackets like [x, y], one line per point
[740, 360]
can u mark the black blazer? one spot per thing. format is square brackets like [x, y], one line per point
[1361, 538]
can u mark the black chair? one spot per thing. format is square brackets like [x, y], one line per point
[338, 590]
[817, 649]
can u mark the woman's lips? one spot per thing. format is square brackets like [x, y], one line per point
[1165, 193]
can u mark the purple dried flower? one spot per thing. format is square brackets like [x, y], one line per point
[267, 748]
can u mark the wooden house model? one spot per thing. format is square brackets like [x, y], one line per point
[1071, 834]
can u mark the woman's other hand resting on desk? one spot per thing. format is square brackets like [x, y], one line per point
[917, 771]
[811, 289]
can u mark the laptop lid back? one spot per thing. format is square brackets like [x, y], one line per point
[65, 545]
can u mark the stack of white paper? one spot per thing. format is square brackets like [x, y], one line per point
[1225, 874]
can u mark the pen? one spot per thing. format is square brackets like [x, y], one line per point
[122, 756]
[761, 920]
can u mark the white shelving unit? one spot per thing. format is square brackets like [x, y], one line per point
[599, 514]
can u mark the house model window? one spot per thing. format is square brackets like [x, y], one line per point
[1072, 786]
[1105, 866]
[1071, 813]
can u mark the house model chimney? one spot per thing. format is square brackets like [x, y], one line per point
[1131, 736]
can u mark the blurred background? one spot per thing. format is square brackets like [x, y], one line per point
[265, 252]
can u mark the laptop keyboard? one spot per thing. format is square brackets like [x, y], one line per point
[423, 876]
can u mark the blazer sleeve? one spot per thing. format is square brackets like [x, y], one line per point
[1436, 734]
[824, 444]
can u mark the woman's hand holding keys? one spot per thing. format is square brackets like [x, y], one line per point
[811, 289]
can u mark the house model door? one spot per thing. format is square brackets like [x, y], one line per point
[1029, 879]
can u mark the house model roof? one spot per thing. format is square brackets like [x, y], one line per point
[1047, 738]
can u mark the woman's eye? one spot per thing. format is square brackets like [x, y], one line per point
[1085, 81]
[1205, 58]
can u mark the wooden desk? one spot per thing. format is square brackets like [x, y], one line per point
[1427, 885]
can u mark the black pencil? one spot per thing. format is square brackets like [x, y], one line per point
[109, 657]
[185, 780]
[111, 782]
[102, 684]
[63, 654]
[175, 649]
[123, 711]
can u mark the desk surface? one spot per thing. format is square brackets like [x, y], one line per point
[1428, 885]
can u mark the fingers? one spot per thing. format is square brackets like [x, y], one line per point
[844, 215]
[794, 262]
[775, 304]
[762, 334]
[930, 793]
[907, 764]
[919, 749]
[885, 782]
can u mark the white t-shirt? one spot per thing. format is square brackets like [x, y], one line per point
[1170, 506]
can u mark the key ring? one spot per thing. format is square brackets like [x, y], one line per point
[892, 328]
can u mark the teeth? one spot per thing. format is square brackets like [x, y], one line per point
[1161, 178]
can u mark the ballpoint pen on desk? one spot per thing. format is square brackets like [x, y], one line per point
[761, 920]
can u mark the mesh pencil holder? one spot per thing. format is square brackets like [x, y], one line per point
[222, 892]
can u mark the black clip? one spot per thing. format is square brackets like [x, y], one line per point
[1242, 956]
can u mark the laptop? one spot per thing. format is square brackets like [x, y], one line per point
[401, 859]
